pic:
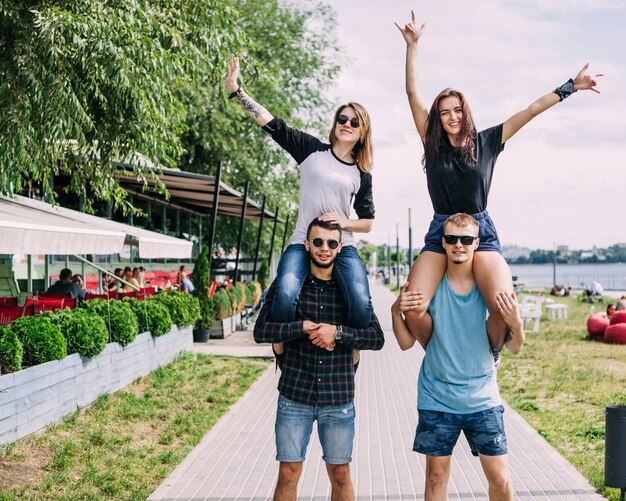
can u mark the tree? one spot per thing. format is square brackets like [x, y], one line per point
[84, 83]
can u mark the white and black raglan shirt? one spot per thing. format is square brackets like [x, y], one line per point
[327, 184]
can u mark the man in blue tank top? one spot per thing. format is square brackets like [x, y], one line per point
[457, 387]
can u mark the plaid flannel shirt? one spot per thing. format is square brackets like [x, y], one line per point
[310, 374]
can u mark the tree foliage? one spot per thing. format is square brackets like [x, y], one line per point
[83, 83]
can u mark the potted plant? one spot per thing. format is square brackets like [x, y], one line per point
[202, 330]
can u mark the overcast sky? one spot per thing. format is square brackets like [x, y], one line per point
[561, 179]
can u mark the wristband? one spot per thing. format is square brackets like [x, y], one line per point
[565, 90]
[236, 93]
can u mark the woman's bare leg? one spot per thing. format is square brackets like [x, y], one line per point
[426, 273]
[493, 275]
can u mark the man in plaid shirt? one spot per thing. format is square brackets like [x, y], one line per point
[317, 380]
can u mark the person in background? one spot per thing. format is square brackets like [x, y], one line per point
[610, 309]
[621, 304]
[128, 277]
[78, 279]
[184, 283]
[139, 276]
[65, 286]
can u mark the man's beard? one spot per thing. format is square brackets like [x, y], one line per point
[320, 264]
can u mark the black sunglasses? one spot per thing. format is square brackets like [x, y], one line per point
[332, 243]
[342, 120]
[453, 239]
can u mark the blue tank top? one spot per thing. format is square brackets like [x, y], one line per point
[458, 374]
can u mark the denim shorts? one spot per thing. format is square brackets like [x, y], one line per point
[489, 240]
[294, 424]
[437, 432]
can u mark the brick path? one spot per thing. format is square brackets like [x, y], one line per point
[235, 460]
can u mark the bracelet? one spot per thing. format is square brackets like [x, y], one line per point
[565, 90]
[237, 92]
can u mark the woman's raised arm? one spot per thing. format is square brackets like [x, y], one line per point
[411, 35]
[583, 81]
[254, 109]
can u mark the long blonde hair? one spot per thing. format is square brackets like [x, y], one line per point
[363, 151]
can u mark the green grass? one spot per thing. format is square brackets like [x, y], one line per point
[125, 444]
[561, 384]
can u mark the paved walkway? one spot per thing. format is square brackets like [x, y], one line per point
[235, 460]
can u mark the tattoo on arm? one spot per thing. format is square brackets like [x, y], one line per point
[249, 104]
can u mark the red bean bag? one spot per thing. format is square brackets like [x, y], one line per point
[618, 317]
[615, 333]
[596, 325]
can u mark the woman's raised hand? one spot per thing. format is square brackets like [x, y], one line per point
[411, 32]
[587, 81]
[232, 75]
[335, 218]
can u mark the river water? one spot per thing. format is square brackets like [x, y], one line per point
[611, 276]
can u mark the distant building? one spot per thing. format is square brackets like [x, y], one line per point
[562, 250]
[513, 252]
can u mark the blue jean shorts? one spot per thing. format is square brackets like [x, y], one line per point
[294, 424]
[437, 432]
[489, 240]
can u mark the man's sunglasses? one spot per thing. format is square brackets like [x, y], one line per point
[342, 120]
[332, 243]
[453, 239]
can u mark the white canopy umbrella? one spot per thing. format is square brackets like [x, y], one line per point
[29, 226]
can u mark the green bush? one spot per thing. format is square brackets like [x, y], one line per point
[41, 339]
[85, 332]
[11, 351]
[236, 298]
[201, 276]
[223, 304]
[183, 307]
[118, 317]
[250, 292]
[192, 307]
[153, 317]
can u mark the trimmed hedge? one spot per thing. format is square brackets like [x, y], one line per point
[11, 351]
[118, 318]
[153, 316]
[84, 332]
[41, 340]
[223, 304]
[183, 307]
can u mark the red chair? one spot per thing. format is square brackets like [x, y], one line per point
[10, 313]
[144, 293]
[161, 274]
[8, 301]
[41, 305]
[91, 282]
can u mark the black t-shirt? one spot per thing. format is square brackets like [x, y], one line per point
[455, 186]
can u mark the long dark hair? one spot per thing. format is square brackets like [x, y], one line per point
[437, 142]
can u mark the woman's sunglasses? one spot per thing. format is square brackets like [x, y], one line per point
[342, 120]
[453, 239]
[332, 243]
